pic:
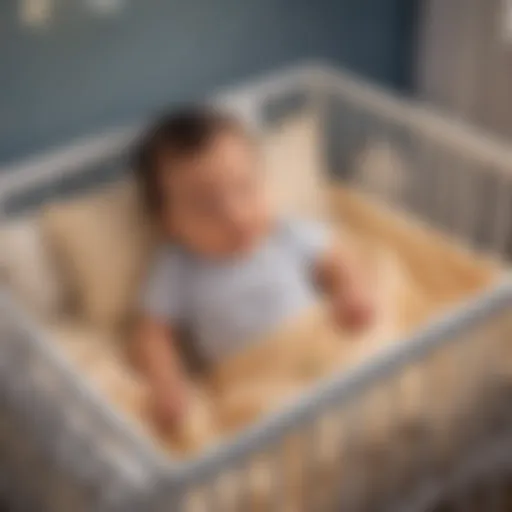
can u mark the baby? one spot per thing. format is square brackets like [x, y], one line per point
[233, 270]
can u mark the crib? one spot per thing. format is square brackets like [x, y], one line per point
[445, 173]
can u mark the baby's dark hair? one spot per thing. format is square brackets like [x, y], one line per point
[181, 133]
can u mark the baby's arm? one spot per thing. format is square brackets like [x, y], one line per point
[158, 360]
[161, 307]
[346, 285]
[337, 271]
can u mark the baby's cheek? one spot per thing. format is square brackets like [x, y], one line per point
[190, 233]
[214, 238]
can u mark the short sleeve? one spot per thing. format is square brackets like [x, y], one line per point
[163, 291]
[309, 239]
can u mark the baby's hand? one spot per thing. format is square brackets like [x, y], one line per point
[355, 308]
[169, 405]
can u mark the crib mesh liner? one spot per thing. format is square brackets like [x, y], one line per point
[312, 418]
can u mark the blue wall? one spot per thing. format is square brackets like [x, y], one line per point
[85, 72]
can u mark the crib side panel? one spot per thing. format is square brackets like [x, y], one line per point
[448, 173]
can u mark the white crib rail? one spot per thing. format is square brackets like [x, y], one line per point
[247, 100]
[432, 130]
[52, 165]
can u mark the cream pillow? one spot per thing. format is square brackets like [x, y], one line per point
[380, 169]
[28, 267]
[103, 240]
[293, 167]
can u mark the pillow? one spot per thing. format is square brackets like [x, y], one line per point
[293, 168]
[103, 240]
[28, 267]
[381, 169]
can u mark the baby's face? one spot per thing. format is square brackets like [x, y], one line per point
[214, 202]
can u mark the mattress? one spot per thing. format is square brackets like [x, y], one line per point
[418, 275]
